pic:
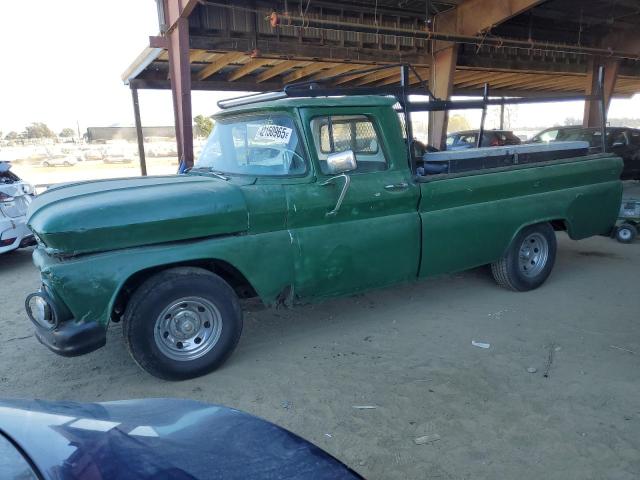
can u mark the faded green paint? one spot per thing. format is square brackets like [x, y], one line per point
[276, 231]
[112, 214]
[469, 221]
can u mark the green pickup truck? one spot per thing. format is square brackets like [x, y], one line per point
[293, 200]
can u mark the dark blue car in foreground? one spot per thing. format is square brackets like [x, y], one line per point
[152, 439]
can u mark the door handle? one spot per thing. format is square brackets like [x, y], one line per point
[397, 186]
[343, 192]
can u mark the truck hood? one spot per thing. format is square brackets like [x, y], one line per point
[119, 213]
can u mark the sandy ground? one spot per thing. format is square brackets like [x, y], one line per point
[407, 351]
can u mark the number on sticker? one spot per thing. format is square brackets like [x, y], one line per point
[274, 132]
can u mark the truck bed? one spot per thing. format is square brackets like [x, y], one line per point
[478, 212]
[474, 160]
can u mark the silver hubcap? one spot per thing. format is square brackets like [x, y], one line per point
[624, 233]
[533, 256]
[188, 328]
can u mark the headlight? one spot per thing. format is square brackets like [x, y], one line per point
[41, 310]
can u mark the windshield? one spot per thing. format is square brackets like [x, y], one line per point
[254, 145]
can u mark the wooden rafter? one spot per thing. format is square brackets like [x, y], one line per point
[278, 69]
[349, 78]
[478, 80]
[413, 79]
[375, 76]
[305, 71]
[338, 70]
[252, 65]
[218, 64]
[509, 79]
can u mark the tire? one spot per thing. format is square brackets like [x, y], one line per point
[66, 164]
[529, 259]
[46, 164]
[626, 233]
[169, 349]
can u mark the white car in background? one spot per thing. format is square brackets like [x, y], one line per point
[15, 197]
[59, 160]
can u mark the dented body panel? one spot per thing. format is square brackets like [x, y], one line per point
[111, 214]
[98, 240]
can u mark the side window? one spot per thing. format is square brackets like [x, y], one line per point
[617, 139]
[634, 138]
[348, 132]
[548, 136]
[470, 139]
[571, 135]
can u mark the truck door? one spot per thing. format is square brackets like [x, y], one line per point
[372, 237]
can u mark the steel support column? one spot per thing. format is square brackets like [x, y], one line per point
[443, 68]
[177, 35]
[592, 108]
[136, 115]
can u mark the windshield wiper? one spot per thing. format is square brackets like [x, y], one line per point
[209, 170]
[218, 174]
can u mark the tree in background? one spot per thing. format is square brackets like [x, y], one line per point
[11, 136]
[67, 132]
[39, 130]
[204, 125]
[458, 123]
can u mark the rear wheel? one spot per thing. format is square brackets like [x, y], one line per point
[529, 259]
[182, 323]
[626, 233]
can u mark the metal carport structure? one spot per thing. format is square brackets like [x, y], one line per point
[528, 48]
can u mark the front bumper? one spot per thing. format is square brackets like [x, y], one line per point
[71, 339]
[66, 337]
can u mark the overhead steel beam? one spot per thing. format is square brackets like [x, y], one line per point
[476, 16]
[468, 19]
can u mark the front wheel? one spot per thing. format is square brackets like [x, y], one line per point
[182, 323]
[529, 259]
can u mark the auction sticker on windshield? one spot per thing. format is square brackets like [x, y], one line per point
[274, 132]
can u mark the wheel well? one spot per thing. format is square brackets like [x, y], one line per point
[223, 269]
[559, 225]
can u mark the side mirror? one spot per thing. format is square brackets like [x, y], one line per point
[341, 162]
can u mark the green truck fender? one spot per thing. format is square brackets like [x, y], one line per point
[92, 284]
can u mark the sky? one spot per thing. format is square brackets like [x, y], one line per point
[67, 61]
[61, 61]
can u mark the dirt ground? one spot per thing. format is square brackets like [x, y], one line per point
[407, 351]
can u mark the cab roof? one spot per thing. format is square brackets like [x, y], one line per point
[302, 102]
